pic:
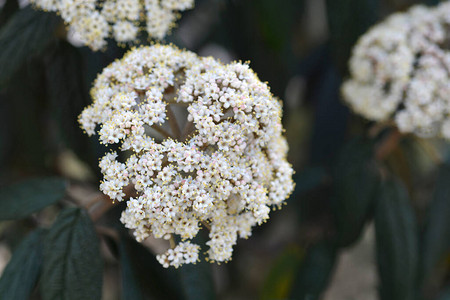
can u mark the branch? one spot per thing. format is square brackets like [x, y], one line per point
[173, 122]
[162, 131]
[388, 145]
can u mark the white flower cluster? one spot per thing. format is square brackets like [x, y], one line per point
[93, 21]
[219, 160]
[401, 71]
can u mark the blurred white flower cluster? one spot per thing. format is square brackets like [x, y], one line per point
[93, 21]
[400, 71]
[217, 158]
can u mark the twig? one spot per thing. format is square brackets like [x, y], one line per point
[173, 122]
[107, 232]
[388, 145]
[172, 242]
[206, 225]
[378, 127]
[188, 129]
[102, 204]
[430, 150]
[100, 208]
[94, 201]
[162, 131]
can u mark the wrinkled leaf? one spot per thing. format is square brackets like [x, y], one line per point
[143, 276]
[279, 281]
[436, 242]
[396, 242]
[315, 271]
[26, 34]
[72, 263]
[26, 197]
[20, 275]
[7, 10]
[355, 182]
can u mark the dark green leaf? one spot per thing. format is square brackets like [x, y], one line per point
[143, 276]
[72, 263]
[26, 34]
[20, 275]
[432, 2]
[131, 289]
[330, 119]
[68, 97]
[276, 20]
[396, 242]
[355, 181]
[6, 132]
[279, 281]
[8, 10]
[197, 281]
[308, 179]
[315, 271]
[29, 127]
[21, 199]
[436, 242]
[346, 26]
[445, 294]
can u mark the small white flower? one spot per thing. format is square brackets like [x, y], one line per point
[400, 71]
[93, 21]
[220, 159]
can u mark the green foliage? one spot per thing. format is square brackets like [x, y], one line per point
[28, 137]
[24, 198]
[315, 271]
[196, 281]
[142, 275]
[308, 179]
[72, 264]
[396, 242]
[276, 31]
[67, 97]
[279, 281]
[445, 295]
[26, 34]
[19, 278]
[436, 241]
[10, 7]
[346, 26]
[356, 179]
[131, 289]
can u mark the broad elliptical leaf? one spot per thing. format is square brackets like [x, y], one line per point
[20, 276]
[24, 198]
[26, 34]
[72, 264]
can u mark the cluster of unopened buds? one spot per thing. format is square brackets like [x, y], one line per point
[400, 72]
[93, 21]
[203, 145]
